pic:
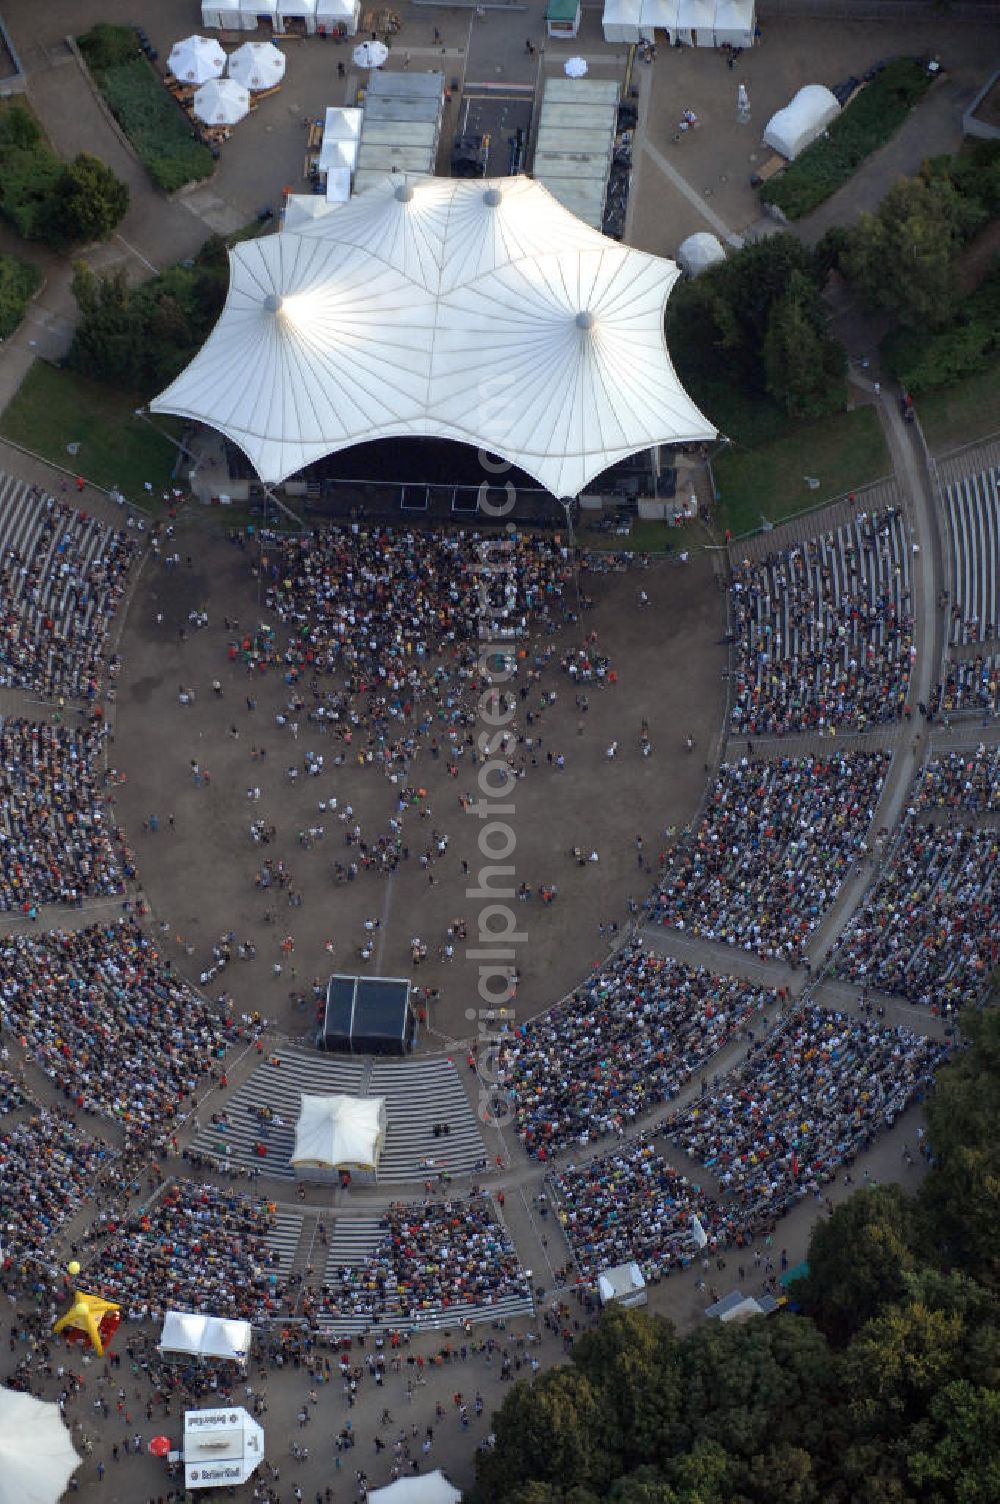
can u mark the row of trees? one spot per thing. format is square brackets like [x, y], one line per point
[885, 1391]
[46, 199]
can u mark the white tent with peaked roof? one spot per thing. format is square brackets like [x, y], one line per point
[339, 1133]
[478, 311]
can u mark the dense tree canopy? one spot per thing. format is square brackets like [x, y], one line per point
[885, 1390]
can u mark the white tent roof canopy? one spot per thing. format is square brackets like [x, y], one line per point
[426, 1488]
[37, 1456]
[625, 1282]
[339, 1133]
[734, 23]
[206, 1336]
[791, 130]
[474, 310]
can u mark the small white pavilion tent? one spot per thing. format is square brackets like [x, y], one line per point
[339, 1133]
[252, 10]
[658, 15]
[37, 1455]
[425, 1488]
[699, 252]
[791, 130]
[734, 23]
[296, 15]
[621, 20]
[222, 15]
[338, 15]
[186, 1334]
[624, 1284]
[696, 23]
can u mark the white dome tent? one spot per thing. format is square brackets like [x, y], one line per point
[196, 59]
[37, 1455]
[257, 65]
[339, 1133]
[699, 252]
[792, 129]
[478, 311]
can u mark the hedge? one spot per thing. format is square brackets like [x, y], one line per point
[865, 125]
[971, 343]
[163, 138]
[19, 281]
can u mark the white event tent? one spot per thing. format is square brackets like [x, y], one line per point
[698, 252]
[621, 20]
[658, 15]
[185, 1334]
[734, 23]
[339, 1133]
[426, 1488]
[37, 1455]
[791, 130]
[224, 15]
[696, 23]
[333, 15]
[482, 312]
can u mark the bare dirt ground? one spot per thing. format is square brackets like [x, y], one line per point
[199, 874]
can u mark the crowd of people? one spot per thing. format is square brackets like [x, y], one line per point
[776, 842]
[967, 781]
[47, 1170]
[109, 1024]
[626, 1040]
[432, 1257]
[930, 928]
[62, 578]
[971, 686]
[808, 1099]
[195, 1248]
[55, 846]
[632, 1205]
[824, 631]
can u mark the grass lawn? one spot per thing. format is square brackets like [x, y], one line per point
[959, 414]
[767, 478]
[54, 408]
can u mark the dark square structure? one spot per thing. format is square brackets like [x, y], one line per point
[368, 1016]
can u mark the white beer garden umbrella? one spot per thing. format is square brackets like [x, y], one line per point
[222, 101]
[196, 60]
[257, 65]
[575, 67]
[370, 54]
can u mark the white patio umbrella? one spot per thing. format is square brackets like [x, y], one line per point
[37, 1456]
[221, 101]
[370, 54]
[257, 65]
[196, 60]
[575, 67]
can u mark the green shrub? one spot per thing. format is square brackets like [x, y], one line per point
[154, 123]
[867, 123]
[19, 281]
[50, 200]
[106, 46]
[18, 127]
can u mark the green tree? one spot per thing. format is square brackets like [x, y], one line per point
[901, 259]
[89, 200]
[550, 1434]
[896, 1363]
[959, 1202]
[805, 370]
[633, 1361]
[858, 1261]
[954, 1456]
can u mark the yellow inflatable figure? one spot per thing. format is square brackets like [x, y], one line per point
[89, 1318]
